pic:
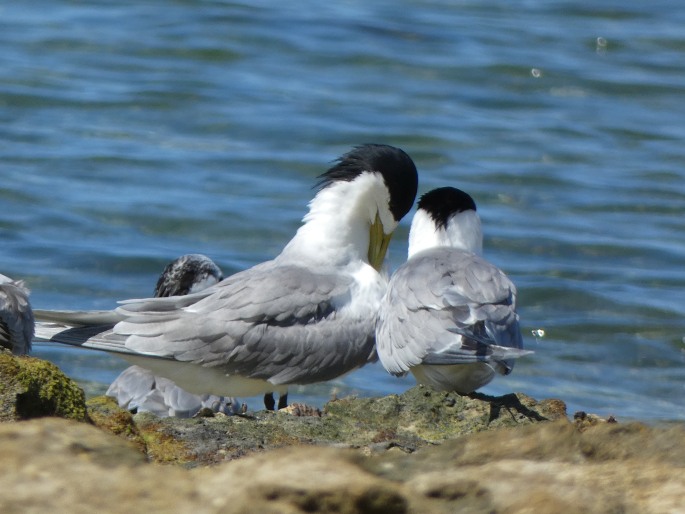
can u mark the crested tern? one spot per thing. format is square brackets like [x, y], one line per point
[16, 316]
[448, 315]
[306, 316]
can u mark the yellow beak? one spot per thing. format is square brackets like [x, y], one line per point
[378, 244]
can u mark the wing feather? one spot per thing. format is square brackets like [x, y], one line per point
[16, 316]
[446, 306]
[281, 323]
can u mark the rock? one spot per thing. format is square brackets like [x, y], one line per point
[422, 416]
[26, 443]
[31, 388]
[63, 466]
[583, 420]
[105, 413]
[421, 451]
[419, 417]
[304, 479]
[550, 467]
[56, 465]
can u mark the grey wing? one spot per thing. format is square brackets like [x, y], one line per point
[274, 322]
[93, 329]
[404, 324]
[16, 317]
[78, 318]
[446, 306]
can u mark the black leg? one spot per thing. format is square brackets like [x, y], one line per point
[269, 401]
[282, 401]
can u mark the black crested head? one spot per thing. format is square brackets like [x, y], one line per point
[179, 276]
[444, 202]
[396, 167]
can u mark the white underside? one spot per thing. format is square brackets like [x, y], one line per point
[462, 378]
[198, 379]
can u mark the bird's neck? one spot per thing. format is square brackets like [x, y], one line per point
[463, 231]
[336, 228]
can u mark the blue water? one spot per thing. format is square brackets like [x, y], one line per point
[134, 132]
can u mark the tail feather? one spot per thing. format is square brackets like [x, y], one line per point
[504, 352]
[472, 351]
[96, 337]
[78, 318]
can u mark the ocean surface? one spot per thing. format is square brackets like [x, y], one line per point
[134, 132]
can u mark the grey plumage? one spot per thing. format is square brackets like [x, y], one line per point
[446, 306]
[306, 316]
[448, 316]
[16, 316]
[139, 389]
[283, 316]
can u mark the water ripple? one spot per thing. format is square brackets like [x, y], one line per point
[133, 132]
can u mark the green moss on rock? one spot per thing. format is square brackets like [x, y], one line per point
[33, 388]
[162, 445]
[105, 413]
[418, 418]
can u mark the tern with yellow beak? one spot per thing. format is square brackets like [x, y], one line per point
[306, 316]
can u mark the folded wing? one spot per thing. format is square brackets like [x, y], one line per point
[446, 306]
[281, 323]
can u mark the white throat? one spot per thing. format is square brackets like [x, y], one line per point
[463, 231]
[336, 228]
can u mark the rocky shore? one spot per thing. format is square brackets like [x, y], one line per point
[421, 451]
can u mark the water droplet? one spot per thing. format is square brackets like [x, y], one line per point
[601, 45]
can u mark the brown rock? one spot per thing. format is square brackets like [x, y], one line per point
[53, 465]
[105, 413]
[56, 465]
[550, 467]
[417, 418]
